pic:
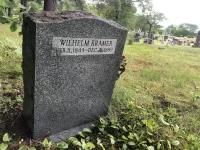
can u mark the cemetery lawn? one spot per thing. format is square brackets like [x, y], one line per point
[158, 97]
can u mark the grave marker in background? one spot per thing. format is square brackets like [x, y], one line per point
[197, 43]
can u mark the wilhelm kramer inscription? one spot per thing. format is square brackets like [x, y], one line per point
[82, 46]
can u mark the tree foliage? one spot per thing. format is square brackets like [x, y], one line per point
[185, 29]
[11, 10]
[153, 19]
[71, 5]
[144, 5]
[6, 9]
[149, 21]
[121, 11]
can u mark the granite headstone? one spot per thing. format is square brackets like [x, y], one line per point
[137, 37]
[70, 65]
[197, 43]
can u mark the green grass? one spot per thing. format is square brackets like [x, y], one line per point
[170, 74]
[9, 38]
[153, 78]
[10, 51]
[151, 71]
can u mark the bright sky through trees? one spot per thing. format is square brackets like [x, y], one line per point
[179, 11]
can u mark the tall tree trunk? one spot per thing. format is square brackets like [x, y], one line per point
[149, 30]
[11, 8]
[80, 4]
[61, 6]
[117, 15]
[24, 3]
[50, 5]
[38, 1]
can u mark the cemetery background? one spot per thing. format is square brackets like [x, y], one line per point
[153, 80]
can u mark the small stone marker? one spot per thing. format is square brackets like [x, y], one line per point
[70, 65]
[197, 43]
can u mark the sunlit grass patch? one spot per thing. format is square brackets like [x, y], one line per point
[9, 38]
[151, 75]
[10, 51]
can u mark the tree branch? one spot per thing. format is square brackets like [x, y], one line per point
[79, 3]
[50, 5]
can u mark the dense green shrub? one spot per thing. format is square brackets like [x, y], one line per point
[190, 36]
[130, 37]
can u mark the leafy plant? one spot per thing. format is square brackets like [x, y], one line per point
[195, 93]
[6, 140]
[82, 144]
[62, 145]
[3, 146]
[32, 148]
[47, 144]
[23, 148]
[16, 18]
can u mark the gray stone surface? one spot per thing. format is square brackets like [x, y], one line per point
[64, 92]
[197, 43]
[68, 133]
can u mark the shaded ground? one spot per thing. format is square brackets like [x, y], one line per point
[11, 108]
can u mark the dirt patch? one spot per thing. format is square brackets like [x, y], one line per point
[137, 65]
[142, 63]
[163, 101]
[195, 67]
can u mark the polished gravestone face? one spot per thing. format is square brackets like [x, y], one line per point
[70, 65]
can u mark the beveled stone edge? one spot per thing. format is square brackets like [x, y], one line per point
[89, 16]
[68, 133]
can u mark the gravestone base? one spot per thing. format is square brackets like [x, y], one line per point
[68, 133]
[196, 45]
